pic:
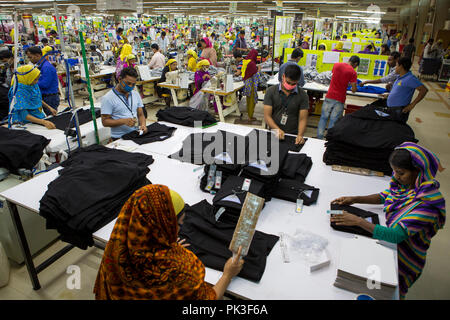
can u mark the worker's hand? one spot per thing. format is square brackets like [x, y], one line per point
[345, 219]
[143, 128]
[130, 122]
[408, 108]
[279, 133]
[344, 201]
[362, 83]
[384, 95]
[233, 267]
[181, 243]
[206, 76]
[53, 111]
[389, 87]
[49, 125]
[299, 140]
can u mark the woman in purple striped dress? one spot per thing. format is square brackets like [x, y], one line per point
[414, 207]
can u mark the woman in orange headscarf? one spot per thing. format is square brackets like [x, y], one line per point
[144, 259]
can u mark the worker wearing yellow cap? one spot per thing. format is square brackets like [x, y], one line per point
[171, 65]
[201, 75]
[192, 60]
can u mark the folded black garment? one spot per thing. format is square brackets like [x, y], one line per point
[225, 170]
[216, 147]
[232, 196]
[296, 166]
[268, 181]
[155, 132]
[97, 155]
[370, 216]
[291, 190]
[366, 131]
[290, 141]
[265, 146]
[209, 241]
[185, 116]
[379, 154]
[20, 149]
[62, 120]
[84, 198]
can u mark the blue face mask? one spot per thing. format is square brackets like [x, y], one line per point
[126, 87]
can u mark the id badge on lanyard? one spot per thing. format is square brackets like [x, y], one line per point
[284, 118]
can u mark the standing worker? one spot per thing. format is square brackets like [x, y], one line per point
[296, 55]
[48, 81]
[163, 42]
[333, 106]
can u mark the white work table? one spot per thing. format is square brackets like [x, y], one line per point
[104, 71]
[58, 139]
[222, 93]
[281, 280]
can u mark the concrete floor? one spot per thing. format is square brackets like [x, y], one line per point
[430, 121]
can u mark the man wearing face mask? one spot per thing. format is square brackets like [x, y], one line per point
[286, 106]
[122, 107]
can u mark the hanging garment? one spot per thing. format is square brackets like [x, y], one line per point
[209, 240]
[61, 121]
[20, 149]
[185, 116]
[291, 190]
[369, 216]
[155, 132]
[90, 190]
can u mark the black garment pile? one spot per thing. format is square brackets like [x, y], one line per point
[63, 120]
[186, 116]
[90, 191]
[370, 216]
[20, 149]
[209, 239]
[365, 139]
[155, 132]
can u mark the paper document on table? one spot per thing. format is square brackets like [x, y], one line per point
[347, 45]
[330, 57]
[144, 72]
[184, 80]
[357, 48]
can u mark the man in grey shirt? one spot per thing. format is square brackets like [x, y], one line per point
[296, 55]
[391, 77]
[286, 106]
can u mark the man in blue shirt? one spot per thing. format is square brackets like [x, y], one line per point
[122, 106]
[48, 81]
[399, 99]
[296, 55]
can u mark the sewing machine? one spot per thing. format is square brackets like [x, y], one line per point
[172, 77]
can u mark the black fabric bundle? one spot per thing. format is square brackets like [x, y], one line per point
[365, 139]
[62, 120]
[155, 132]
[296, 166]
[209, 240]
[20, 149]
[291, 190]
[90, 191]
[226, 171]
[373, 217]
[185, 116]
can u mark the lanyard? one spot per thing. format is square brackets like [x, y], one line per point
[125, 102]
[285, 101]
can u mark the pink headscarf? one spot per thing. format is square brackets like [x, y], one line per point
[208, 42]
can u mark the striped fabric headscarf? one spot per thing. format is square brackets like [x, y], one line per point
[419, 211]
[143, 260]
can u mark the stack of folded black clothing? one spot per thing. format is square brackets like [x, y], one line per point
[90, 191]
[186, 116]
[365, 139]
[296, 166]
[155, 132]
[20, 149]
[216, 147]
[209, 239]
[63, 121]
[214, 183]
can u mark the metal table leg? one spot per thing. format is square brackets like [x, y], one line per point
[32, 272]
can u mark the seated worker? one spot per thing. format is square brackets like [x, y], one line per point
[414, 208]
[344, 37]
[286, 106]
[28, 99]
[385, 51]
[158, 60]
[296, 56]
[125, 51]
[130, 61]
[145, 258]
[399, 99]
[239, 60]
[339, 47]
[201, 75]
[96, 52]
[48, 81]
[322, 47]
[171, 65]
[369, 49]
[391, 77]
[122, 107]
[192, 60]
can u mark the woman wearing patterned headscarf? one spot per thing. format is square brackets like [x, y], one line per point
[27, 96]
[414, 208]
[144, 259]
[208, 52]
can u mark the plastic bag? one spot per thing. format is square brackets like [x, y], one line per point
[200, 100]
[306, 245]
